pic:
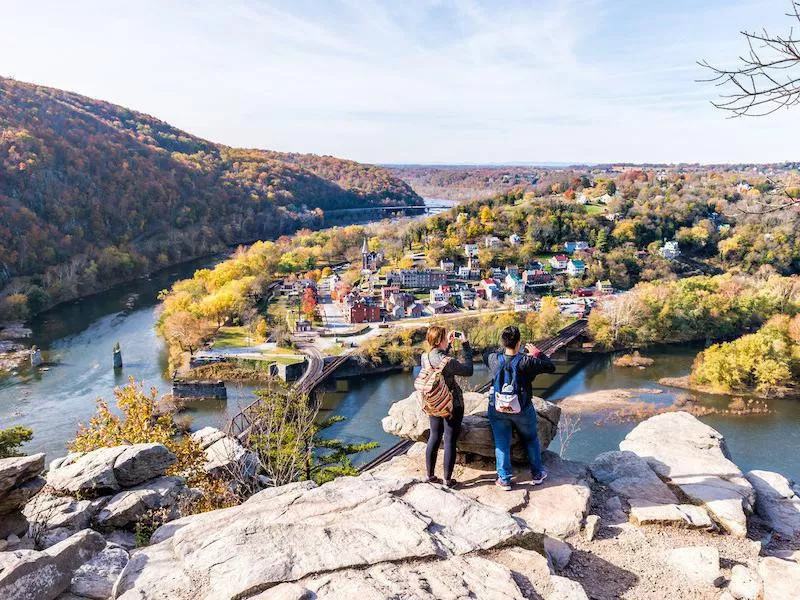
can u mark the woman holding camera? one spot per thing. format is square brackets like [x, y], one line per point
[440, 341]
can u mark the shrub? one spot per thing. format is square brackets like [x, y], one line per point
[12, 438]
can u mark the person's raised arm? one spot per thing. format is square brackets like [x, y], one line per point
[536, 361]
[462, 367]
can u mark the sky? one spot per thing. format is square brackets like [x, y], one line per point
[415, 81]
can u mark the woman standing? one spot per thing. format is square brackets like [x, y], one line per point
[439, 342]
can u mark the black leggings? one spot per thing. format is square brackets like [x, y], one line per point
[449, 428]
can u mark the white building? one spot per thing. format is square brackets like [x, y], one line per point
[491, 241]
[559, 262]
[471, 250]
[447, 265]
[576, 268]
[670, 250]
[514, 239]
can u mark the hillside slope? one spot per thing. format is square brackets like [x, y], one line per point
[91, 191]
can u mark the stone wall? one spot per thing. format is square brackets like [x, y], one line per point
[199, 389]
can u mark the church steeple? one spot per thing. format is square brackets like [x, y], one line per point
[364, 255]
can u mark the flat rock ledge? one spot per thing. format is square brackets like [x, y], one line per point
[693, 458]
[407, 420]
[409, 536]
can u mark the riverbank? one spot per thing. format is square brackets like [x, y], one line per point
[685, 383]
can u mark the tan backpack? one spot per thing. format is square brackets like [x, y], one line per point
[435, 397]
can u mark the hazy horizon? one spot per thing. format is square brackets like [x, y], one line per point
[578, 82]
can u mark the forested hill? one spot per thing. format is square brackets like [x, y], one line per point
[91, 191]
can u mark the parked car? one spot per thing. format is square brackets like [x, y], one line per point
[584, 292]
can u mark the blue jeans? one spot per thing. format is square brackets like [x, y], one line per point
[525, 424]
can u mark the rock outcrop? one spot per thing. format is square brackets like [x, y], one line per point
[650, 499]
[45, 575]
[693, 457]
[19, 482]
[407, 420]
[313, 536]
[777, 501]
[225, 456]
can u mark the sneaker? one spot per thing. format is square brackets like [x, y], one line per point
[434, 479]
[503, 485]
[450, 483]
[537, 479]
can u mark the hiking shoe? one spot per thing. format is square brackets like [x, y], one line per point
[537, 479]
[503, 485]
[450, 483]
[434, 479]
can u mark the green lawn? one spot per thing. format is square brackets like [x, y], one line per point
[594, 209]
[232, 337]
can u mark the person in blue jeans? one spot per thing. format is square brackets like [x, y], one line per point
[507, 365]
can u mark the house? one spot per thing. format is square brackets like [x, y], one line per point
[414, 311]
[448, 266]
[471, 250]
[559, 262]
[441, 308]
[582, 199]
[576, 268]
[397, 312]
[604, 199]
[440, 294]
[670, 250]
[302, 325]
[491, 289]
[326, 285]
[403, 299]
[534, 265]
[572, 247]
[363, 310]
[417, 278]
[514, 239]
[743, 186]
[536, 279]
[370, 261]
[514, 285]
[604, 287]
[387, 292]
[468, 273]
[491, 241]
[465, 297]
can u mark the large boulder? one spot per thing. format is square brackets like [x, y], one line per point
[109, 469]
[18, 496]
[50, 512]
[227, 457]
[207, 436]
[780, 578]
[650, 499]
[128, 506]
[299, 531]
[17, 470]
[142, 462]
[45, 575]
[407, 420]
[86, 473]
[95, 579]
[693, 457]
[777, 501]
[699, 564]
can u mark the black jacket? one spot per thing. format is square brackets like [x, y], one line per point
[529, 368]
[454, 368]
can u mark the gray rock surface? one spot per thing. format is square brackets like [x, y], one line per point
[693, 457]
[19, 495]
[407, 420]
[51, 512]
[566, 589]
[227, 457]
[780, 578]
[289, 533]
[680, 515]
[207, 436]
[128, 506]
[745, 583]
[142, 462]
[558, 552]
[13, 523]
[95, 578]
[777, 501]
[629, 475]
[90, 473]
[17, 470]
[699, 564]
[45, 575]
[591, 527]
